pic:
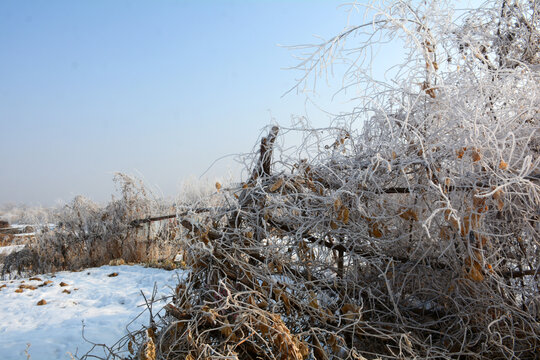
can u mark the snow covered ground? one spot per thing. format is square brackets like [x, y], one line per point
[6, 250]
[106, 304]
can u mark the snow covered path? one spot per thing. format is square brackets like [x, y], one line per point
[105, 303]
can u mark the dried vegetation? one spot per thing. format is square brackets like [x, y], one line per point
[87, 235]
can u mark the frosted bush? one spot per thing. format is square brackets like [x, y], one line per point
[414, 235]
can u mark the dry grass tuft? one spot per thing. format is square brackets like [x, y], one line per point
[117, 262]
[29, 287]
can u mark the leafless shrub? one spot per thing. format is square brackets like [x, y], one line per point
[86, 234]
[20, 262]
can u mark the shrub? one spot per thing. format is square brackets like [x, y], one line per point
[87, 235]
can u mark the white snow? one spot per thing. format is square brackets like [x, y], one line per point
[18, 226]
[6, 250]
[105, 304]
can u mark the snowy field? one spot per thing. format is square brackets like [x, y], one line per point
[105, 304]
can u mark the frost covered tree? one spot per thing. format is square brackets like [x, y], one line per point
[408, 228]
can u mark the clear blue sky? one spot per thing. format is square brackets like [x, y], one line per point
[159, 89]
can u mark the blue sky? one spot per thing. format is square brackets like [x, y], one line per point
[158, 89]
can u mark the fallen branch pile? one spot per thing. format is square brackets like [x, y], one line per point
[306, 268]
